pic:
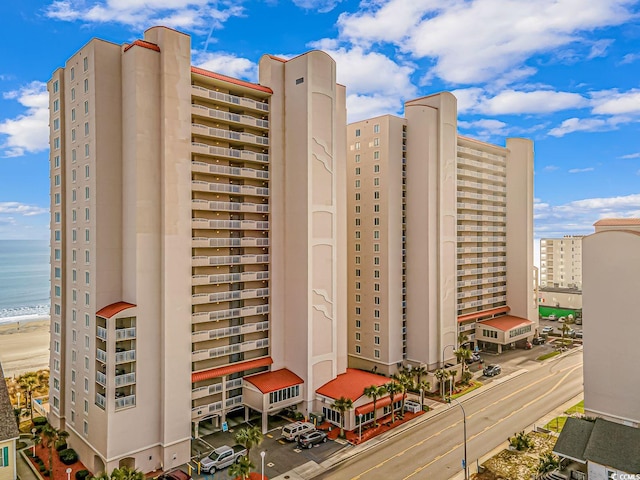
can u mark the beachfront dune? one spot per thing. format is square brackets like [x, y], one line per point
[24, 346]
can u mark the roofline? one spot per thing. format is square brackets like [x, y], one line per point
[235, 81]
[143, 44]
[476, 315]
[584, 462]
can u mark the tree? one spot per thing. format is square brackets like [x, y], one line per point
[565, 329]
[101, 476]
[463, 339]
[241, 469]
[374, 392]
[249, 437]
[548, 463]
[422, 386]
[418, 372]
[393, 388]
[462, 355]
[442, 375]
[342, 405]
[404, 382]
[127, 473]
[50, 436]
[29, 383]
[520, 441]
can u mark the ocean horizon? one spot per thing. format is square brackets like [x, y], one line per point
[24, 280]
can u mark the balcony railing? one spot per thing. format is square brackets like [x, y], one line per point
[125, 379]
[481, 154]
[230, 402]
[101, 355]
[101, 401]
[482, 302]
[481, 196]
[498, 249]
[478, 271]
[501, 168]
[202, 186]
[229, 278]
[200, 298]
[125, 333]
[198, 204]
[205, 410]
[234, 153]
[101, 378]
[230, 313]
[242, 137]
[205, 242]
[229, 117]
[230, 99]
[101, 332]
[481, 291]
[205, 223]
[481, 186]
[204, 261]
[229, 331]
[128, 401]
[482, 218]
[126, 356]
[202, 167]
[229, 349]
[483, 239]
[481, 228]
[476, 207]
[481, 281]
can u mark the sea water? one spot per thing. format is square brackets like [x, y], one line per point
[24, 280]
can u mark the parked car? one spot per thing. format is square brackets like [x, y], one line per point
[475, 357]
[492, 370]
[579, 334]
[571, 333]
[552, 317]
[308, 440]
[547, 329]
[175, 475]
[539, 341]
[562, 319]
[292, 431]
[221, 458]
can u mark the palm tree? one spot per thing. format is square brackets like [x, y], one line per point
[392, 389]
[463, 339]
[422, 386]
[565, 329]
[101, 476]
[405, 382]
[127, 473]
[50, 436]
[442, 375]
[419, 371]
[463, 354]
[249, 437]
[241, 469]
[342, 405]
[29, 383]
[548, 463]
[373, 392]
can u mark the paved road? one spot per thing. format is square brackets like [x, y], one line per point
[434, 449]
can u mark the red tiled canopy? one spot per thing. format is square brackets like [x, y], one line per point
[484, 313]
[351, 384]
[113, 309]
[229, 369]
[506, 322]
[381, 402]
[235, 81]
[268, 382]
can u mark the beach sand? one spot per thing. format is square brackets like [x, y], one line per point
[24, 346]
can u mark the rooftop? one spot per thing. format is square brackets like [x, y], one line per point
[229, 369]
[113, 309]
[617, 222]
[277, 380]
[506, 322]
[8, 427]
[351, 384]
[483, 313]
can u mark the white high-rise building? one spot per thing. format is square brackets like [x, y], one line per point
[561, 262]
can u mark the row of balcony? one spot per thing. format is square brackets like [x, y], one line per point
[482, 218]
[467, 327]
[228, 135]
[481, 186]
[204, 410]
[216, 388]
[209, 261]
[481, 260]
[481, 281]
[217, 315]
[205, 223]
[230, 278]
[201, 298]
[482, 291]
[462, 172]
[121, 357]
[202, 186]
[498, 249]
[242, 172]
[230, 99]
[481, 207]
[481, 196]
[500, 168]
[121, 402]
[206, 242]
[482, 302]
[481, 154]
[481, 239]
[229, 349]
[120, 380]
[480, 271]
[229, 117]
[482, 228]
[128, 333]
[248, 155]
[245, 329]
[246, 207]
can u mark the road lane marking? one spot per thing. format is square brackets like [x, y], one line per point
[526, 387]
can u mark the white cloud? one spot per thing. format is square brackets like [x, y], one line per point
[485, 128]
[613, 102]
[513, 102]
[582, 125]
[360, 107]
[194, 15]
[17, 208]
[482, 40]
[322, 6]
[631, 155]
[629, 58]
[581, 170]
[551, 168]
[227, 64]
[599, 48]
[29, 131]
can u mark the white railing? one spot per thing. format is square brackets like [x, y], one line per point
[482, 302]
[203, 260]
[205, 242]
[128, 401]
[230, 278]
[198, 204]
[232, 99]
[230, 224]
[101, 332]
[101, 400]
[477, 271]
[231, 171]
[231, 384]
[481, 154]
[500, 248]
[230, 117]
[229, 331]
[227, 296]
[482, 218]
[125, 333]
[101, 355]
[480, 260]
[128, 356]
[482, 165]
[229, 313]
[202, 186]
[481, 207]
[101, 378]
[229, 349]
[125, 379]
[229, 152]
[481, 196]
[482, 186]
[481, 281]
[480, 228]
[482, 291]
[204, 410]
[229, 134]
[230, 402]
[472, 239]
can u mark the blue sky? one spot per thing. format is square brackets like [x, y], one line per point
[562, 72]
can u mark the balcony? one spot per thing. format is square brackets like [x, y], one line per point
[202, 186]
[230, 331]
[482, 228]
[200, 298]
[126, 356]
[206, 242]
[125, 379]
[481, 281]
[481, 260]
[229, 99]
[481, 196]
[229, 278]
[474, 239]
[248, 120]
[478, 207]
[498, 249]
[229, 206]
[492, 167]
[481, 186]
[101, 355]
[101, 401]
[229, 313]
[233, 401]
[247, 155]
[101, 333]
[229, 135]
[101, 378]
[205, 391]
[205, 223]
[462, 172]
[481, 291]
[205, 410]
[128, 401]
[207, 261]
[482, 218]
[480, 154]
[482, 302]
[480, 271]
[125, 333]
[202, 167]
[229, 349]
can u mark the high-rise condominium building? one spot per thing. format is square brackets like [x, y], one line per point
[561, 262]
[441, 238]
[196, 232]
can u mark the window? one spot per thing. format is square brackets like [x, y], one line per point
[357, 132]
[357, 183]
[74, 295]
[376, 221]
[376, 247]
[376, 234]
[87, 193]
[73, 396]
[86, 149]
[376, 327]
[357, 260]
[73, 94]
[357, 170]
[357, 336]
[376, 260]
[376, 142]
[56, 291]
[86, 256]
[73, 195]
[376, 155]
[73, 175]
[86, 171]
[357, 272]
[85, 427]
[57, 309]
[87, 320]
[56, 124]
[73, 134]
[86, 235]
[56, 365]
[86, 107]
[74, 235]
[376, 340]
[376, 287]
[358, 158]
[376, 353]
[284, 394]
[73, 73]
[86, 363]
[57, 272]
[358, 323]
[73, 114]
[56, 161]
[73, 255]
[85, 63]
[56, 199]
[56, 402]
[74, 356]
[56, 143]
[489, 333]
[86, 85]
[74, 275]
[358, 298]
[376, 195]
[87, 303]
[357, 196]
[86, 214]
[376, 313]
[73, 376]
[376, 128]
[376, 300]
[357, 208]
[55, 86]
[73, 155]
[357, 310]
[357, 285]
[86, 384]
[357, 234]
[357, 247]
[357, 145]
[86, 278]
[56, 346]
[357, 222]
[86, 128]
[86, 406]
[376, 274]
[357, 348]
[376, 182]
[376, 208]
[74, 215]
[56, 217]
[376, 169]
[73, 416]
[74, 335]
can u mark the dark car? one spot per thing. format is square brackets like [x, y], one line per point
[308, 440]
[538, 341]
[492, 370]
[475, 357]
[175, 475]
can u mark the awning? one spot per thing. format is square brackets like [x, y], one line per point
[380, 403]
[229, 369]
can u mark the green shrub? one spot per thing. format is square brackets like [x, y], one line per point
[82, 474]
[61, 445]
[42, 468]
[68, 456]
[39, 421]
[46, 473]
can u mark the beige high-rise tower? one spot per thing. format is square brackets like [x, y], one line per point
[442, 238]
[197, 238]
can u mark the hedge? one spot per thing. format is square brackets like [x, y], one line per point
[39, 421]
[68, 456]
[82, 474]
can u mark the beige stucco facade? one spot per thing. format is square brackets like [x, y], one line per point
[610, 262]
[561, 262]
[441, 229]
[197, 223]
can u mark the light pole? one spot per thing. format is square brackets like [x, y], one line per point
[360, 424]
[68, 470]
[464, 423]
[33, 432]
[262, 454]
[453, 345]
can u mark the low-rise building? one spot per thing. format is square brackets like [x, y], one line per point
[9, 434]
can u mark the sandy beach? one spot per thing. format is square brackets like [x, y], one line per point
[24, 346]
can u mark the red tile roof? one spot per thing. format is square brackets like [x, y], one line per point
[229, 369]
[506, 322]
[483, 313]
[381, 402]
[351, 384]
[277, 380]
[277, 58]
[235, 81]
[113, 309]
[617, 222]
[144, 44]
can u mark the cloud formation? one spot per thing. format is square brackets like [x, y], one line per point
[227, 64]
[17, 208]
[581, 170]
[321, 6]
[29, 131]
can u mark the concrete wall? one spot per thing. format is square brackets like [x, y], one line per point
[561, 300]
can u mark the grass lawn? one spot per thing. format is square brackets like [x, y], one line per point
[548, 355]
[577, 408]
[556, 424]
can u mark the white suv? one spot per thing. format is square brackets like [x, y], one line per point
[293, 430]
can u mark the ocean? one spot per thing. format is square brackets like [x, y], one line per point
[24, 279]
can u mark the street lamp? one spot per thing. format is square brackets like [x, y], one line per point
[262, 454]
[452, 345]
[33, 432]
[464, 423]
[68, 470]
[360, 423]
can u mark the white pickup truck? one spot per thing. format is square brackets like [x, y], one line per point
[221, 458]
